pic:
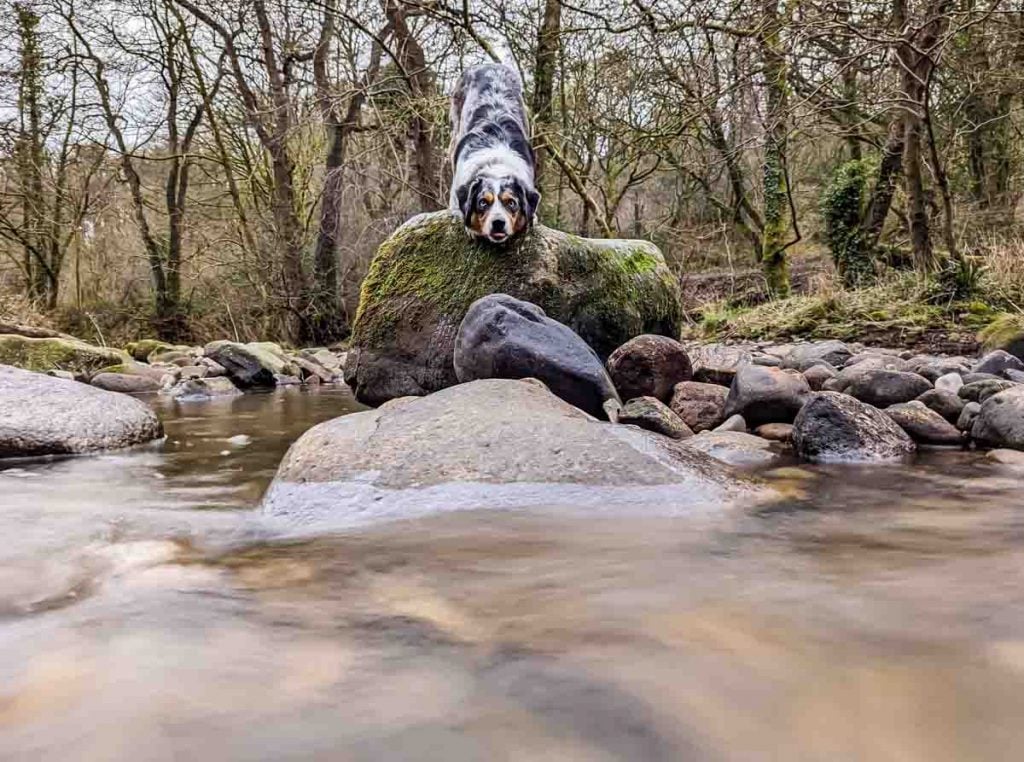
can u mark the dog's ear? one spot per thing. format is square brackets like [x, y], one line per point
[531, 202]
[466, 195]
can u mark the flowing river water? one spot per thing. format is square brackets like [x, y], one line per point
[149, 612]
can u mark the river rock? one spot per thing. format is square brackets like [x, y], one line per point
[933, 370]
[701, 406]
[718, 363]
[125, 383]
[967, 416]
[804, 356]
[1000, 422]
[775, 432]
[838, 427]
[490, 444]
[649, 366]
[818, 374]
[766, 395]
[505, 337]
[203, 388]
[979, 391]
[882, 388]
[946, 404]
[997, 363]
[44, 354]
[737, 448]
[1013, 458]
[874, 360]
[732, 423]
[924, 425]
[1017, 376]
[424, 278]
[972, 378]
[141, 350]
[253, 364]
[42, 415]
[950, 382]
[652, 414]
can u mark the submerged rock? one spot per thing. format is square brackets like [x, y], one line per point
[489, 444]
[42, 415]
[505, 337]
[766, 395]
[654, 415]
[701, 406]
[424, 278]
[737, 448]
[1000, 422]
[837, 427]
[649, 366]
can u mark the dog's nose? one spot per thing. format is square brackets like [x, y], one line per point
[498, 226]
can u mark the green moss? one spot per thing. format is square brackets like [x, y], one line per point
[1006, 329]
[142, 349]
[56, 354]
[842, 207]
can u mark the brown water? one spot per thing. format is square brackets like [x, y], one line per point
[148, 612]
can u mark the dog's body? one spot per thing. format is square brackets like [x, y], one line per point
[493, 187]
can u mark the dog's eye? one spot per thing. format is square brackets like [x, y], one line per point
[483, 203]
[512, 204]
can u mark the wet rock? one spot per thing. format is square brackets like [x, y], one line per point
[701, 406]
[838, 427]
[424, 278]
[718, 363]
[946, 404]
[882, 388]
[766, 395]
[733, 423]
[979, 391]
[804, 356]
[967, 416]
[818, 374]
[250, 365]
[924, 425]
[737, 448]
[997, 363]
[42, 415]
[775, 432]
[950, 382]
[649, 366]
[505, 337]
[490, 444]
[652, 414]
[125, 383]
[1000, 422]
[203, 388]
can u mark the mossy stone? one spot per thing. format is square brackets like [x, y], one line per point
[426, 275]
[57, 354]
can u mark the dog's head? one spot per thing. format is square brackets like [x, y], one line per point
[497, 208]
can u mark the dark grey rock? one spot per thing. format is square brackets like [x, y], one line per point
[837, 427]
[924, 425]
[936, 369]
[882, 388]
[803, 356]
[505, 337]
[701, 406]
[997, 363]
[652, 414]
[1000, 422]
[766, 395]
[979, 391]
[649, 366]
[42, 415]
[248, 365]
[967, 416]
[946, 404]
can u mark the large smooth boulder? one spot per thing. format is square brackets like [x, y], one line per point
[46, 354]
[766, 395]
[43, 415]
[882, 388]
[489, 444]
[505, 337]
[837, 427]
[701, 406]
[649, 366]
[424, 278]
[1000, 422]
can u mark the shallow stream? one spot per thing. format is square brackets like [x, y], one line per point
[148, 611]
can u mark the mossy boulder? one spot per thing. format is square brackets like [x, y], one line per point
[142, 349]
[45, 354]
[426, 275]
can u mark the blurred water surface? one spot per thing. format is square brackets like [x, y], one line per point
[147, 612]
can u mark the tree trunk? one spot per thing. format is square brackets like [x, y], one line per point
[544, 82]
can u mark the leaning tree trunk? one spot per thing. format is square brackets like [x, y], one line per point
[544, 82]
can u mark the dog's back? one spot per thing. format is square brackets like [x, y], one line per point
[488, 109]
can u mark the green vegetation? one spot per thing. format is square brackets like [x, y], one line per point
[842, 208]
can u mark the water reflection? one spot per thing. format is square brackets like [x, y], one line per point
[874, 613]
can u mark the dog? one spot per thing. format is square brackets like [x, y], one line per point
[494, 167]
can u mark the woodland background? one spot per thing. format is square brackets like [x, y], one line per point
[199, 170]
